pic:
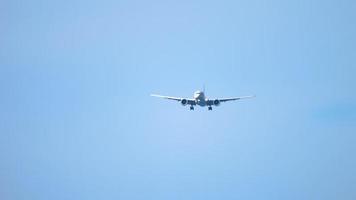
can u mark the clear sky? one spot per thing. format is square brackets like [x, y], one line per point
[77, 121]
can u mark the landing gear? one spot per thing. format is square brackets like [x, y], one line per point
[210, 108]
[191, 107]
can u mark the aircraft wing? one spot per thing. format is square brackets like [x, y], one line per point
[189, 101]
[234, 98]
[212, 102]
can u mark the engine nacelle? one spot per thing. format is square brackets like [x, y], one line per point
[216, 102]
[184, 102]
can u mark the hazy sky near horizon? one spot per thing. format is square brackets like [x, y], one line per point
[77, 121]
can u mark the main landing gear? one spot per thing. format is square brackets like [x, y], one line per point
[210, 108]
[191, 107]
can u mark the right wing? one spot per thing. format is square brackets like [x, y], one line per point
[188, 101]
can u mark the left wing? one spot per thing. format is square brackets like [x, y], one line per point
[216, 102]
[235, 98]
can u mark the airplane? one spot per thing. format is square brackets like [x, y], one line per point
[200, 99]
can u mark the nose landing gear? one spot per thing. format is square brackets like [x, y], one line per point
[210, 108]
[191, 108]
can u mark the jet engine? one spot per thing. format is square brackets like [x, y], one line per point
[184, 102]
[216, 102]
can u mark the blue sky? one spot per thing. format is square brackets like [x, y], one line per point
[77, 121]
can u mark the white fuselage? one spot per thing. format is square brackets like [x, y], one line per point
[199, 97]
